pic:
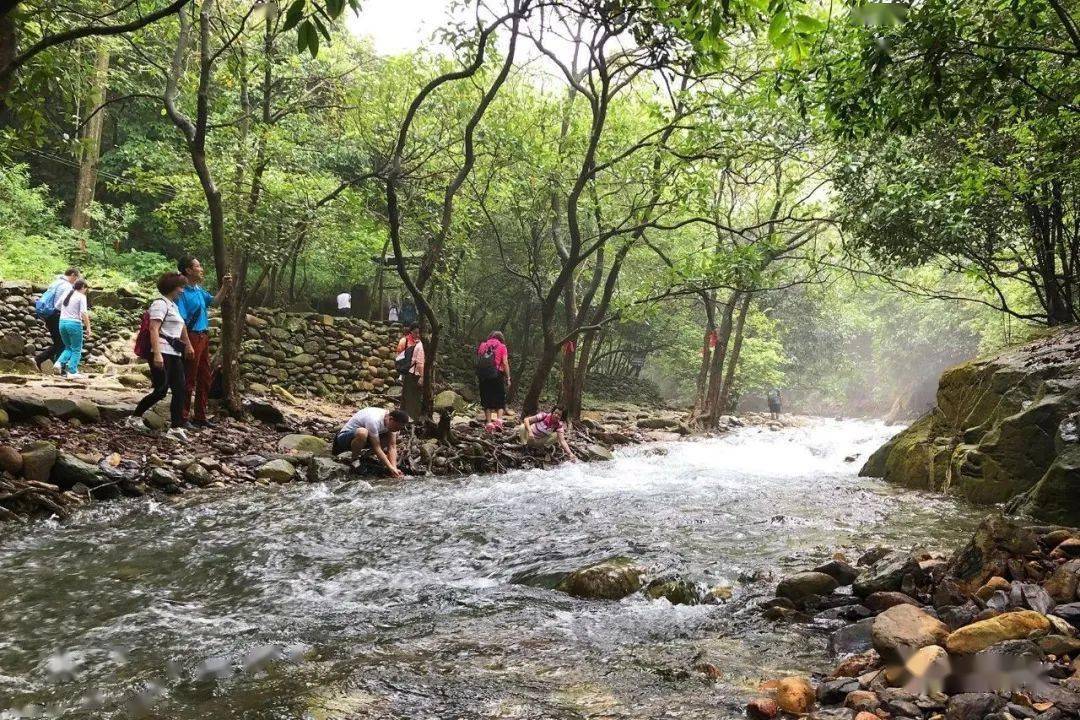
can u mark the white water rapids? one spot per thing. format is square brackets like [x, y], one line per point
[431, 598]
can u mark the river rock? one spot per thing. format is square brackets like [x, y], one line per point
[304, 444]
[264, 411]
[929, 662]
[802, 585]
[762, 709]
[795, 695]
[1008, 626]
[839, 571]
[10, 460]
[902, 629]
[987, 590]
[69, 470]
[658, 423]
[611, 579]
[38, 460]
[197, 475]
[677, 591]
[24, 407]
[280, 471]
[857, 665]
[325, 469]
[996, 540]
[448, 401]
[879, 602]
[851, 639]
[831, 692]
[973, 706]
[886, 575]
[1063, 583]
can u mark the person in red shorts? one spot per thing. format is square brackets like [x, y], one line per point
[194, 304]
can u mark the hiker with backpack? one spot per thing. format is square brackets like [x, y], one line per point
[493, 378]
[74, 328]
[163, 341]
[194, 302]
[409, 363]
[45, 308]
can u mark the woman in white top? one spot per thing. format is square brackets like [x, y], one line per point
[170, 345]
[74, 327]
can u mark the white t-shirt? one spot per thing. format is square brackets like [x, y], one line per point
[393, 316]
[344, 301]
[63, 285]
[75, 308]
[172, 324]
[372, 418]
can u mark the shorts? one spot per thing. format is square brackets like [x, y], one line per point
[535, 441]
[344, 439]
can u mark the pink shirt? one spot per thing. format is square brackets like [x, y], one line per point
[500, 352]
[418, 353]
[542, 424]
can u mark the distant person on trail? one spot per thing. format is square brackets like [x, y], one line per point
[543, 430]
[344, 304]
[193, 303]
[392, 316]
[775, 407]
[376, 429]
[408, 313]
[45, 308]
[409, 363]
[493, 377]
[74, 327]
[167, 344]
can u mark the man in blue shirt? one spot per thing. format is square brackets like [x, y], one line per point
[194, 303]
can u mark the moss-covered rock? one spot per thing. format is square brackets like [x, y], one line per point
[611, 579]
[993, 435]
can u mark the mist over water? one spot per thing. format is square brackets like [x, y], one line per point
[431, 599]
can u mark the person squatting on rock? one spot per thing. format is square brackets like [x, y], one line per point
[46, 309]
[169, 345]
[409, 363]
[543, 430]
[74, 327]
[493, 378]
[193, 304]
[373, 428]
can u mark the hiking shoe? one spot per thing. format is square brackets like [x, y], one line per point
[59, 369]
[204, 423]
[73, 375]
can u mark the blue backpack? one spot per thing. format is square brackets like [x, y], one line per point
[45, 306]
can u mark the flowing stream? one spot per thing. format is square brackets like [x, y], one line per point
[431, 599]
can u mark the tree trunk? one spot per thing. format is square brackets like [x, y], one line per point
[711, 410]
[9, 48]
[90, 146]
[531, 403]
[733, 359]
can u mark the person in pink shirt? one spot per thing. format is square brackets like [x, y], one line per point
[409, 362]
[544, 430]
[493, 377]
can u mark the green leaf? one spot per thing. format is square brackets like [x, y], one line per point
[293, 15]
[334, 8]
[808, 24]
[778, 29]
[322, 28]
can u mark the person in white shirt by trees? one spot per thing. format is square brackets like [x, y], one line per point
[375, 429]
[344, 304]
[169, 345]
[74, 327]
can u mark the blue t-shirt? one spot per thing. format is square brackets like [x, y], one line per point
[193, 303]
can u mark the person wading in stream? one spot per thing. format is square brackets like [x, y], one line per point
[193, 304]
[376, 429]
[543, 430]
[775, 406]
[46, 309]
[167, 346]
[409, 363]
[493, 377]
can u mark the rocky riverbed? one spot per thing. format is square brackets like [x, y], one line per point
[986, 633]
[64, 446]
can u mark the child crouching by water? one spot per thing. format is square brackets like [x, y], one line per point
[543, 430]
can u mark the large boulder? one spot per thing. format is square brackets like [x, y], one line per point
[795, 695]
[22, 406]
[802, 585]
[903, 629]
[611, 579]
[11, 460]
[279, 471]
[69, 471]
[324, 469]
[1002, 429]
[298, 443]
[1007, 626]
[38, 460]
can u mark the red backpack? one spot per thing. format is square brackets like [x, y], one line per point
[142, 338]
[143, 349]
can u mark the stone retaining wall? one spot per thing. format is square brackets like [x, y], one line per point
[306, 353]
